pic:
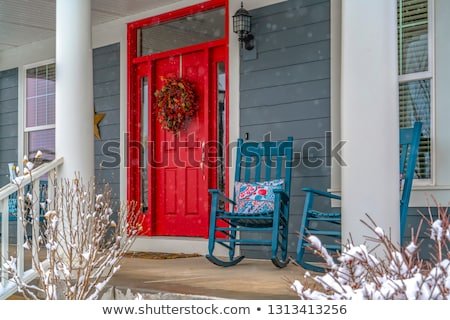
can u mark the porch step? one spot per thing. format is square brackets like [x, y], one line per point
[124, 293]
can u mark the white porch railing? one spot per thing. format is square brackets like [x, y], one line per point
[8, 287]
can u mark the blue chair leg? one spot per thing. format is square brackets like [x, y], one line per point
[231, 251]
[285, 239]
[302, 236]
[212, 225]
[212, 240]
[303, 226]
[232, 244]
[302, 240]
[283, 261]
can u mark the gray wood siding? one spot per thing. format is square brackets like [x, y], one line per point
[8, 121]
[285, 91]
[107, 100]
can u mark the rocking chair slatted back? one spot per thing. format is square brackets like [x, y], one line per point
[274, 158]
[326, 225]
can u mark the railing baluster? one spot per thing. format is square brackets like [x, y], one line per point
[35, 222]
[20, 230]
[51, 189]
[5, 239]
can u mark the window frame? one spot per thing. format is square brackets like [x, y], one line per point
[427, 75]
[23, 117]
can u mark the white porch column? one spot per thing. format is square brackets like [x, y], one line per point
[369, 117]
[74, 88]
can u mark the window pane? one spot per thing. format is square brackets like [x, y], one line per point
[415, 106]
[43, 140]
[414, 49]
[51, 76]
[144, 141]
[221, 94]
[413, 11]
[190, 30]
[41, 76]
[31, 82]
[40, 109]
[412, 36]
[51, 109]
[31, 112]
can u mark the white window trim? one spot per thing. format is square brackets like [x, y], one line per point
[40, 128]
[23, 129]
[431, 75]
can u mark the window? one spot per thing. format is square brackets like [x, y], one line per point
[40, 111]
[416, 75]
[193, 29]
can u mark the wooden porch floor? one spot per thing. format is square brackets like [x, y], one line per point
[251, 279]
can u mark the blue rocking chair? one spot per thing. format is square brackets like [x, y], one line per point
[326, 225]
[256, 162]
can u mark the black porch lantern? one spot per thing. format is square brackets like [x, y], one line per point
[242, 25]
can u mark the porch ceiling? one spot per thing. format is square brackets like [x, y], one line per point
[26, 21]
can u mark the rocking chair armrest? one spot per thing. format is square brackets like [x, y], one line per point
[220, 195]
[322, 193]
[283, 196]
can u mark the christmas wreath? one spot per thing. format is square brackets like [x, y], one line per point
[175, 103]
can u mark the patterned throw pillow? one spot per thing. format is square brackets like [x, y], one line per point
[256, 197]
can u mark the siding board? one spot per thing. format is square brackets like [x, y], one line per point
[285, 20]
[285, 6]
[305, 53]
[10, 93]
[290, 74]
[298, 92]
[293, 37]
[311, 109]
[297, 129]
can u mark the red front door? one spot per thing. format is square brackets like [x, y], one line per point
[169, 174]
[181, 174]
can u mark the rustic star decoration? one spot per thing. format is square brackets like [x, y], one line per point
[98, 117]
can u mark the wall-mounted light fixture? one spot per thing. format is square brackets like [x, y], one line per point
[242, 25]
